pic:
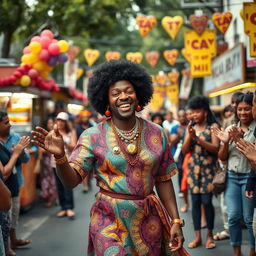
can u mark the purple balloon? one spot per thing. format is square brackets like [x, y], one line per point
[52, 61]
[62, 57]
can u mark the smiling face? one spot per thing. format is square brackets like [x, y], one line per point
[199, 115]
[244, 113]
[122, 100]
[5, 126]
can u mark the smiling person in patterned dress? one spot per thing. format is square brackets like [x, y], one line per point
[130, 156]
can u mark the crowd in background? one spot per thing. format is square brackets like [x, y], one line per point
[198, 142]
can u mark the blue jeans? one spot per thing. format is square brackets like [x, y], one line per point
[239, 207]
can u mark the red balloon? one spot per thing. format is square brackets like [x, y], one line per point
[47, 33]
[45, 42]
[12, 79]
[33, 73]
[17, 74]
[44, 55]
[27, 66]
[36, 39]
[54, 49]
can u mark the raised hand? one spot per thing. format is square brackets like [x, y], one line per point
[50, 141]
[191, 131]
[21, 145]
[247, 148]
[221, 134]
[235, 133]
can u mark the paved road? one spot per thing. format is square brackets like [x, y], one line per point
[52, 236]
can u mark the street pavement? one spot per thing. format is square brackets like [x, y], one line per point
[52, 236]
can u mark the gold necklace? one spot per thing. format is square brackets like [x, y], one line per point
[130, 148]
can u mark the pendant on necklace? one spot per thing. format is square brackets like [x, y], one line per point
[116, 150]
[131, 149]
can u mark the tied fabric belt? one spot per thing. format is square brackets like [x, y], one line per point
[150, 201]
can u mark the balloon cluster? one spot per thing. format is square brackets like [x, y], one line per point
[38, 59]
[77, 94]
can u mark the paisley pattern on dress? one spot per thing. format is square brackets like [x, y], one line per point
[121, 227]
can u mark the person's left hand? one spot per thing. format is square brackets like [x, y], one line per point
[176, 232]
[236, 133]
[247, 148]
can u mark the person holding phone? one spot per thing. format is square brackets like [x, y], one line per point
[204, 146]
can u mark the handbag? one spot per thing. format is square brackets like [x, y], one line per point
[219, 179]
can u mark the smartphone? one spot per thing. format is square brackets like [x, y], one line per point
[193, 122]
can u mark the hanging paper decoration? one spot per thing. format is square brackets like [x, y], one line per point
[249, 15]
[113, 56]
[173, 77]
[186, 55]
[152, 58]
[222, 21]
[145, 24]
[134, 56]
[171, 56]
[202, 49]
[91, 56]
[198, 23]
[172, 25]
[172, 92]
[158, 98]
[161, 79]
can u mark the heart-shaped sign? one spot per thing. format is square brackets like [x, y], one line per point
[79, 73]
[198, 23]
[171, 56]
[134, 56]
[145, 24]
[173, 77]
[91, 56]
[186, 55]
[222, 21]
[112, 56]
[152, 58]
[172, 25]
[161, 79]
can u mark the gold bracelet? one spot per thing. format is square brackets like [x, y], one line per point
[61, 160]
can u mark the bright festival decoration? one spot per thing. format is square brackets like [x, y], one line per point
[152, 58]
[112, 56]
[222, 21]
[91, 56]
[134, 57]
[249, 17]
[171, 56]
[198, 23]
[186, 55]
[145, 24]
[172, 25]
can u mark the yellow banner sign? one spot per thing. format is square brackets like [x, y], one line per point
[249, 16]
[172, 92]
[158, 98]
[91, 56]
[134, 56]
[172, 25]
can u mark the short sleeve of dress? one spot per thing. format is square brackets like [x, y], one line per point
[82, 157]
[167, 167]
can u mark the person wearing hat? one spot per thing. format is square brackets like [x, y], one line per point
[65, 195]
[130, 157]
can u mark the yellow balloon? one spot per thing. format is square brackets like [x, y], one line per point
[63, 45]
[25, 81]
[33, 58]
[39, 65]
[25, 59]
[35, 47]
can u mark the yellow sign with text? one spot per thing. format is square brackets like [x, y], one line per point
[172, 92]
[249, 17]
[158, 98]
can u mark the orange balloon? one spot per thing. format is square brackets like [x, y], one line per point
[172, 25]
[113, 56]
[91, 56]
[152, 58]
[134, 56]
[145, 24]
[171, 56]
[222, 21]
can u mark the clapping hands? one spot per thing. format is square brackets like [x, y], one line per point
[21, 145]
[221, 134]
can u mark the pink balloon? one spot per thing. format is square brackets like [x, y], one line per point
[54, 49]
[54, 41]
[17, 74]
[33, 73]
[47, 33]
[44, 55]
[26, 50]
[36, 39]
[45, 41]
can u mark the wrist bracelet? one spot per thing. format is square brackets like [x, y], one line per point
[61, 160]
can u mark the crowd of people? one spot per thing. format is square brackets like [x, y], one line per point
[131, 156]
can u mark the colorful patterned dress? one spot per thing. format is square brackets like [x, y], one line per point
[201, 165]
[122, 227]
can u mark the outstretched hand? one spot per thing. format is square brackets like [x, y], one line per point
[21, 145]
[247, 148]
[236, 133]
[221, 134]
[51, 141]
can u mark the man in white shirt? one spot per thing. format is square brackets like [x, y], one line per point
[170, 121]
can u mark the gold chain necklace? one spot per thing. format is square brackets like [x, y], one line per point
[129, 147]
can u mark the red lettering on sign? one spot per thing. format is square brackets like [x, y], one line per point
[194, 44]
[253, 18]
[204, 45]
[177, 23]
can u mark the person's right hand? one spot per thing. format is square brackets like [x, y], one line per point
[50, 141]
[221, 134]
[249, 194]
[19, 147]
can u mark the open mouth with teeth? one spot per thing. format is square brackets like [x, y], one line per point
[125, 107]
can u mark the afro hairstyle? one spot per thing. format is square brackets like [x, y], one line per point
[113, 71]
